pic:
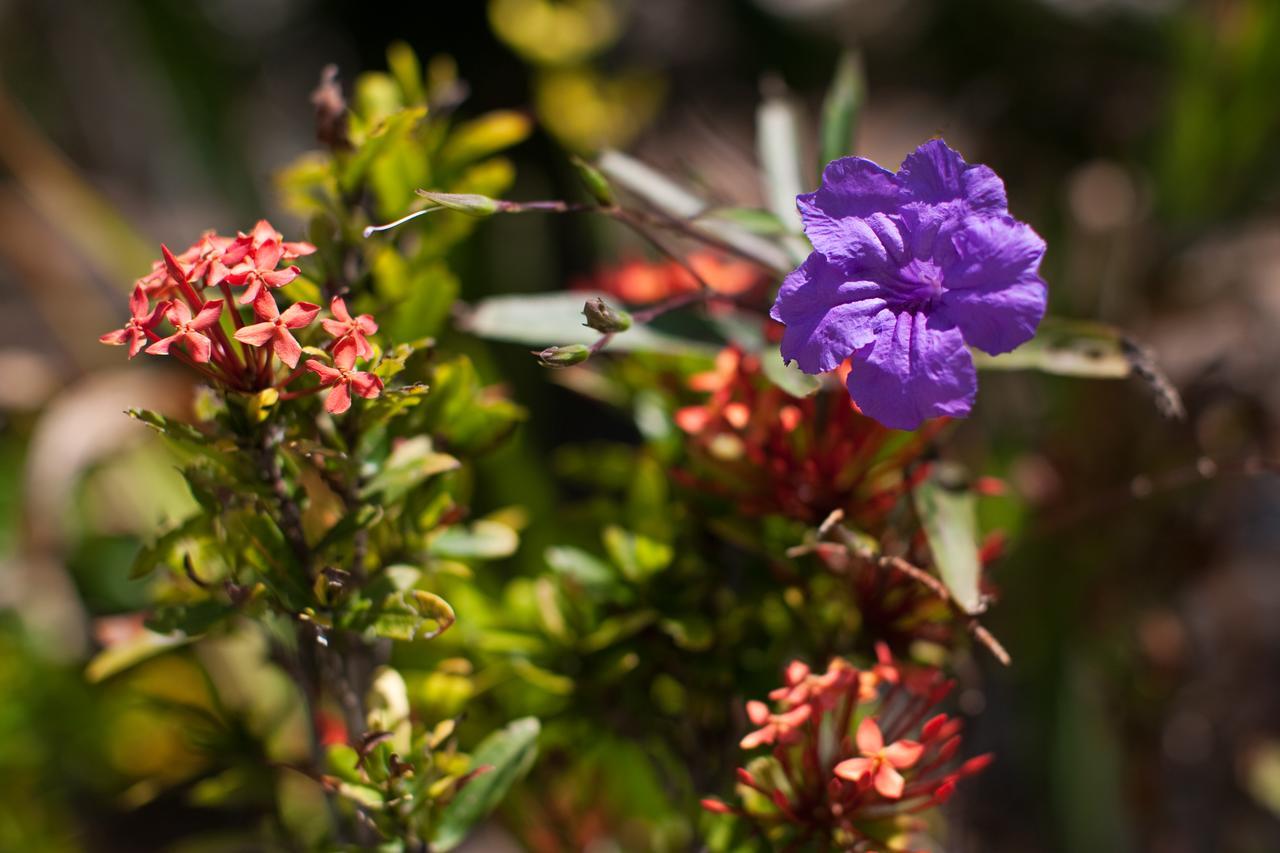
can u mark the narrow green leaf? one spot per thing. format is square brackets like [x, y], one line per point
[841, 108]
[677, 202]
[555, 319]
[126, 655]
[751, 219]
[1067, 348]
[948, 513]
[788, 377]
[779, 147]
[509, 754]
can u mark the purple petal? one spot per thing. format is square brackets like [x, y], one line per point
[915, 369]
[852, 189]
[993, 289]
[935, 173]
[827, 317]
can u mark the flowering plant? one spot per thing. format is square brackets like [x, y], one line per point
[564, 654]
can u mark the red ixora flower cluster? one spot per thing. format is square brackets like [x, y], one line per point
[175, 292]
[855, 755]
[801, 457]
[639, 282]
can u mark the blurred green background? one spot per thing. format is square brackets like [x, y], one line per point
[1141, 589]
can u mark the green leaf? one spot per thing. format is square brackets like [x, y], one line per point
[171, 546]
[483, 540]
[779, 146]
[751, 219]
[788, 377]
[948, 513]
[410, 464]
[412, 614]
[510, 754]
[555, 319]
[382, 139]
[402, 62]
[479, 138]
[130, 653]
[466, 417]
[1067, 348]
[674, 200]
[584, 569]
[639, 557]
[365, 515]
[191, 443]
[841, 108]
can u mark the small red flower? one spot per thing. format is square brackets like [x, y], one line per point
[264, 232]
[206, 257]
[344, 326]
[258, 272]
[275, 327]
[879, 763]
[188, 330]
[774, 728]
[343, 378]
[134, 332]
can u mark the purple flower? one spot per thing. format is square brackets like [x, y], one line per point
[908, 271]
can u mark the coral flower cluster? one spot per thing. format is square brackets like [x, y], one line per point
[266, 351]
[855, 755]
[639, 282]
[801, 457]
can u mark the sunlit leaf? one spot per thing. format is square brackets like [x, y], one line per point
[508, 754]
[788, 377]
[948, 513]
[555, 319]
[674, 200]
[483, 540]
[413, 614]
[842, 107]
[118, 658]
[1067, 348]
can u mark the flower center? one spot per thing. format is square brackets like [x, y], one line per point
[917, 285]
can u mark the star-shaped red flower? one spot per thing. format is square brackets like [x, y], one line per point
[275, 327]
[134, 332]
[880, 763]
[343, 326]
[343, 378]
[258, 272]
[189, 330]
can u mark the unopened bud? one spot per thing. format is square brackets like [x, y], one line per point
[604, 319]
[469, 203]
[595, 182]
[563, 356]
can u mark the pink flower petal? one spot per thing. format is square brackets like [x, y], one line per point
[198, 345]
[339, 399]
[257, 334]
[853, 769]
[324, 372]
[208, 315]
[366, 384]
[286, 348]
[299, 314]
[870, 740]
[903, 753]
[889, 782]
[280, 278]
